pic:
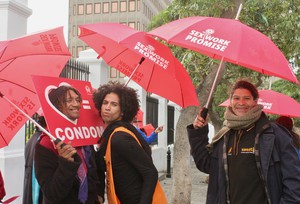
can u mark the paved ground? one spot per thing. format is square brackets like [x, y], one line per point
[199, 187]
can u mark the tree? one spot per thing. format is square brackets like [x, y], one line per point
[278, 19]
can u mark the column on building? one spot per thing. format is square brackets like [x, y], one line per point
[98, 68]
[13, 21]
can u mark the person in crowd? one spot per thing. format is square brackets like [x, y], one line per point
[152, 137]
[250, 160]
[130, 173]
[31, 189]
[67, 175]
[2, 188]
[287, 122]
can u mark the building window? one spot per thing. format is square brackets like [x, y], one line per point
[123, 6]
[80, 9]
[114, 7]
[79, 49]
[131, 5]
[138, 5]
[89, 8]
[74, 10]
[74, 30]
[73, 51]
[138, 25]
[97, 8]
[131, 24]
[105, 7]
[78, 31]
[121, 75]
[113, 73]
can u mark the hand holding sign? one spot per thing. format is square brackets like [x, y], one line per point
[72, 117]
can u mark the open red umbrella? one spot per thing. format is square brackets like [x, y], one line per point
[227, 40]
[276, 103]
[44, 53]
[148, 129]
[145, 60]
[138, 121]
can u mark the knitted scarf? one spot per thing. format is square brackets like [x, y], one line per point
[235, 122]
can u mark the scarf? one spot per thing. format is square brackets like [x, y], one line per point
[232, 121]
[85, 155]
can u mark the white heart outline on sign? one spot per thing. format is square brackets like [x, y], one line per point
[50, 87]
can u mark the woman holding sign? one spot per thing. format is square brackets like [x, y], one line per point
[67, 175]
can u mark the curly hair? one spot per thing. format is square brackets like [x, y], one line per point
[129, 102]
[244, 84]
[58, 96]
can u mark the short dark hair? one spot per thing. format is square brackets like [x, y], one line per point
[244, 84]
[58, 96]
[129, 102]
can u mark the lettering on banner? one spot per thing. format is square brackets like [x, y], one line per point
[127, 70]
[50, 42]
[148, 51]
[72, 133]
[16, 118]
[206, 38]
[267, 106]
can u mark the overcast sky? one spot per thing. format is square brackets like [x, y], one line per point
[47, 15]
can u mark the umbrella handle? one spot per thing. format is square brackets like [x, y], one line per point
[204, 112]
[137, 66]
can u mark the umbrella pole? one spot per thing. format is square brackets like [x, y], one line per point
[27, 116]
[137, 66]
[205, 108]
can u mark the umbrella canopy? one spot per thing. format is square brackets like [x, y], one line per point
[148, 129]
[43, 53]
[148, 62]
[230, 40]
[275, 103]
[138, 121]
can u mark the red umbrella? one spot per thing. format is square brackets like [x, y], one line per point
[145, 60]
[138, 122]
[148, 129]
[43, 53]
[227, 40]
[276, 103]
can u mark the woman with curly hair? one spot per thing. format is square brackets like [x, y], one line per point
[130, 173]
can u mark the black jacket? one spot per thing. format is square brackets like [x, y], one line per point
[278, 160]
[58, 177]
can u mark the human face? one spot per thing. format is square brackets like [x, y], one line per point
[72, 105]
[242, 101]
[110, 109]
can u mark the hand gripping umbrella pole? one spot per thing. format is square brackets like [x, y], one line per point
[204, 111]
[56, 140]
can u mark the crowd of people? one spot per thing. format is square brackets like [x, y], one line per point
[250, 160]
[60, 173]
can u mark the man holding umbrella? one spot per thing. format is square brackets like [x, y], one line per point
[250, 160]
